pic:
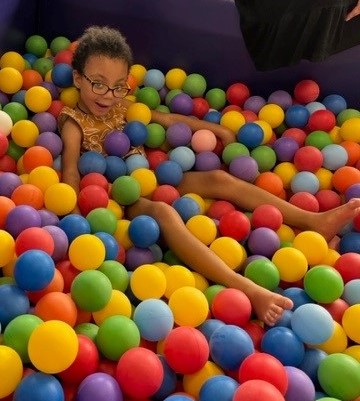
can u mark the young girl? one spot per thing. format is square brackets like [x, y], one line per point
[101, 65]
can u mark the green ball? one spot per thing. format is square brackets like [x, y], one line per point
[211, 292]
[263, 272]
[346, 115]
[323, 284]
[102, 219]
[339, 376]
[91, 290]
[116, 335]
[18, 332]
[171, 259]
[43, 65]
[156, 135]
[149, 96]
[7, 280]
[16, 111]
[116, 273]
[216, 98]
[319, 139]
[15, 151]
[172, 93]
[125, 190]
[36, 45]
[265, 157]
[163, 108]
[89, 330]
[234, 150]
[59, 43]
[194, 85]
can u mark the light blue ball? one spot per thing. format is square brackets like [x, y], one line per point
[183, 156]
[351, 292]
[154, 78]
[305, 181]
[334, 156]
[134, 162]
[315, 106]
[335, 103]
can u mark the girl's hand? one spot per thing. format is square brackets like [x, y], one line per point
[354, 12]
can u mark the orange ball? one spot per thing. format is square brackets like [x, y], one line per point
[6, 204]
[353, 151]
[344, 177]
[31, 78]
[270, 182]
[28, 194]
[36, 156]
[55, 285]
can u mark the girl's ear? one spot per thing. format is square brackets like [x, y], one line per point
[76, 79]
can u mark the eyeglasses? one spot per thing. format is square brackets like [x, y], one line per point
[101, 89]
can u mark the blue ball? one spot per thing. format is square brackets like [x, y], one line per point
[169, 172]
[19, 97]
[14, 302]
[285, 319]
[137, 132]
[62, 75]
[335, 103]
[111, 245]
[186, 207]
[154, 319]
[213, 116]
[115, 167]
[133, 162]
[283, 344]
[350, 242]
[302, 323]
[217, 388]
[311, 361]
[30, 58]
[74, 225]
[33, 270]
[298, 296]
[39, 386]
[92, 162]
[229, 346]
[209, 326]
[305, 181]
[143, 231]
[178, 397]
[334, 156]
[154, 78]
[297, 116]
[168, 385]
[250, 135]
[351, 292]
[184, 156]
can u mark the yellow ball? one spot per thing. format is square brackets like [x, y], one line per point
[119, 304]
[139, 112]
[11, 80]
[24, 133]
[11, 370]
[350, 322]
[266, 127]
[37, 99]
[291, 264]
[148, 281]
[286, 171]
[86, 252]
[53, 346]
[273, 114]
[147, 180]
[138, 71]
[14, 60]
[325, 178]
[189, 306]
[335, 135]
[285, 233]
[7, 248]
[60, 198]
[313, 245]
[69, 96]
[233, 120]
[122, 234]
[338, 342]
[353, 351]
[350, 130]
[201, 283]
[174, 78]
[177, 276]
[230, 251]
[331, 257]
[43, 177]
[203, 228]
[115, 208]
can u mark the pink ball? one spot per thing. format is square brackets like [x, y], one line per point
[267, 216]
[305, 201]
[306, 91]
[308, 158]
[257, 390]
[203, 140]
[323, 120]
[139, 373]
[189, 358]
[231, 306]
[235, 224]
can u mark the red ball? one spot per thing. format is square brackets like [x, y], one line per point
[267, 216]
[34, 238]
[324, 120]
[107, 366]
[356, 222]
[92, 197]
[306, 91]
[7, 164]
[256, 332]
[263, 366]
[200, 107]
[234, 224]
[69, 272]
[85, 363]
[297, 134]
[231, 306]
[218, 208]
[231, 107]
[250, 116]
[308, 158]
[64, 56]
[190, 358]
[348, 265]
[94, 179]
[55, 107]
[4, 144]
[327, 199]
[257, 390]
[336, 309]
[155, 157]
[165, 193]
[237, 93]
[139, 373]
[305, 201]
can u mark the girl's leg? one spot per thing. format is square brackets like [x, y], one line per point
[268, 306]
[219, 184]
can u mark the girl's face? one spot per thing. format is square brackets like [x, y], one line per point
[101, 72]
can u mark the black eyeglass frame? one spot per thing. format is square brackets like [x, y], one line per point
[123, 90]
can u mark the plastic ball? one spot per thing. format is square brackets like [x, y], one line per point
[265, 157]
[10, 80]
[61, 75]
[203, 140]
[90, 162]
[184, 156]
[348, 265]
[344, 177]
[149, 96]
[237, 93]
[291, 264]
[334, 102]
[7, 248]
[119, 304]
[11, 368]
[116, 143]
[181, 103]
[21, 217]
[125, 190]
[218, 387]
[24, 133]
[16, 111]
[250, 134]
[306, 91]
[297, 116]
[229, 250]
[281, 98]
[299, 383]
[50, 141]
[39, 386]
[60, 198]
[263, 272]
[86, 252]
[263, 241]
[174, 78]
[36, 45]
[233, 120]
[92, 197]
[194, 85]
[305, 181]
[15, 302]
[144, 231]
[34, 238]
[234, 224]
[111, 245]
[99, 386]
[207, 161]
[74, 225]
[273, 114]
[349, 320]
[115, 167]
[37, 99]
[244, 167]
[308, 158]
[266, 216]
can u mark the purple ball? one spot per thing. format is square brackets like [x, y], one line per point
[138, 256]
[254, 103]
[45, 121]
[300, 386]
[48, 218]
[61, 242]
[207, 161]
[8, 182]
[99, 387]
[51, 141]
[281, 98]
[21, 217]
[3, 99]
[352, 192]
[116, 143]
[285, 148]
[181, 103]
[52, 88]
[178, 134]
[263, 241]
[244, 167]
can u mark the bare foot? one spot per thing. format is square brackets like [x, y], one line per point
[268, 306]
[331, 222]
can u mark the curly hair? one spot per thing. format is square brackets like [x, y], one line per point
[103, 41]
